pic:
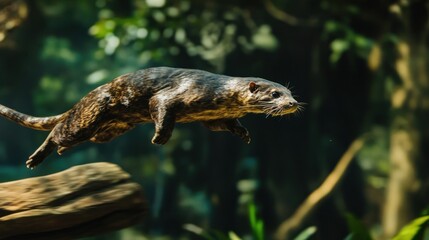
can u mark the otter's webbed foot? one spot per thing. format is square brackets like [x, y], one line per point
[232, 125]
[41, 153]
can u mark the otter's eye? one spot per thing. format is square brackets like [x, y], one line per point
[275, 94]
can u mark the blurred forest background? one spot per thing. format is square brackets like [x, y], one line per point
[361, 67]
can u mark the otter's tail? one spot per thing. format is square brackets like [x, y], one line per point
[38, 123]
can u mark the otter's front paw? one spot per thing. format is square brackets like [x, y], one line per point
[243, 134]
[160, 139]
[246, 138]
[33, 161]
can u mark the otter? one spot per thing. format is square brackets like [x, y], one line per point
[161, 95]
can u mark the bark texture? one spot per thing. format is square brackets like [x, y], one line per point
[409, 132]
[82, 201]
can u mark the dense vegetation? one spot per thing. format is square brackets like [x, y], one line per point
[361, 67]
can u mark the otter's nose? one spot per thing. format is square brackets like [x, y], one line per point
[292, 103]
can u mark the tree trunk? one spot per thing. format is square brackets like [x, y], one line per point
[409, 128]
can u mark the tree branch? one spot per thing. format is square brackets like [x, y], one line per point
[81, 201]
[314, 199]
[286, 17]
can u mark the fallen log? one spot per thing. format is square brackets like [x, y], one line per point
[81, 201]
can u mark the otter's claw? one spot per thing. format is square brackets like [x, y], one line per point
[160, 139]
[243, 134]
[246, 138]
[32, 162]
[61, 150]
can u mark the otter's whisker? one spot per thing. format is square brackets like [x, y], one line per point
[297, 113]
[269, 111]
[267, 114]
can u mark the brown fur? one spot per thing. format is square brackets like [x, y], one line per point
[161, 95]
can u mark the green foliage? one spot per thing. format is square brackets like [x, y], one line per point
[357, 230]
[210, 234]
[233, 236]
[256, 224]
[346, 39]
[306, 233]
[159, 32]
[414, 230]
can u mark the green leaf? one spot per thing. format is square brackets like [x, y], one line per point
[257, 225]
[307, 233]
[413, 230]
[198, 231]
[233, 236]
[252, 215]
[357, 229]
[338, 47]
[259, 230]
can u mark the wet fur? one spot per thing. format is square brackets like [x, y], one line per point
[161, 95]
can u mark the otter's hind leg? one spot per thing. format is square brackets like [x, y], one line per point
[232, 125]
[111, 131]
[104, 134]
[47, 147]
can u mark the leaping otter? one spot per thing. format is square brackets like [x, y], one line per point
[162, 95]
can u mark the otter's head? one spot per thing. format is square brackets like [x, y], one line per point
[270, 98]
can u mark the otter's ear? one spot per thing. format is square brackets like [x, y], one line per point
[253, 87]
